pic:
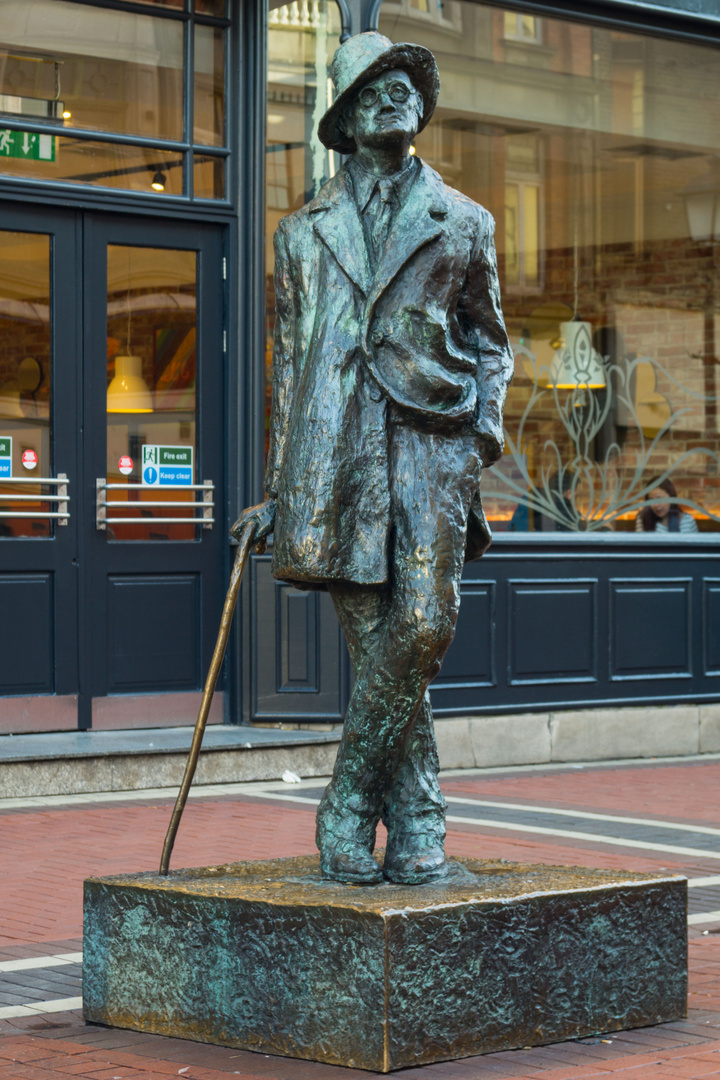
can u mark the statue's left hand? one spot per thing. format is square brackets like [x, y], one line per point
[262, 518]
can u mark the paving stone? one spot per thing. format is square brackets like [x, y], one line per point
[47, 852]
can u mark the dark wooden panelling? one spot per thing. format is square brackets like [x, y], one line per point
[470, 660]
[620, 626]
[300, 665]
[153, 625]
[552, 631]
[650, 628]
[711, 626]
[26, 656]
[297, 630]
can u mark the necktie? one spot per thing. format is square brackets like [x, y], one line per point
[382, 218]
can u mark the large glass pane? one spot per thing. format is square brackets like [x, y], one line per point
[209, 177]
[596, 151]
[209, 86]
[98, 68]
[25, 382]
[151, 397]
[81, 161]
[302, 39]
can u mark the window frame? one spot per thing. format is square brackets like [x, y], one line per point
[186, 147]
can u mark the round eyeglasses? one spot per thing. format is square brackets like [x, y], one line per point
[397, 92]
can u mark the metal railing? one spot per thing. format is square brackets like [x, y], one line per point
[103, 505]
[61, 498]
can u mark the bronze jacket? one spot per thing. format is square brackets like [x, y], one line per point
[421, 341]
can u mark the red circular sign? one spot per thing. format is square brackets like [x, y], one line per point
[125, 464]
[29, 459]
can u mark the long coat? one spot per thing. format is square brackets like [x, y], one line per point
[422, 340]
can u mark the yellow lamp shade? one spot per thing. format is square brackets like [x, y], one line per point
[128, 392]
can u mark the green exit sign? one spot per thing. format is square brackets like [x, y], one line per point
[28, 145]
[175, 455]
[5, 445]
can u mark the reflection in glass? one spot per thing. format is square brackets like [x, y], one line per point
[152, 372]
[112, 70]
[589, 158]
[302, 40]
[211, 7]
[208, 177]
[107, 165]
[25, 378]
[209, 109]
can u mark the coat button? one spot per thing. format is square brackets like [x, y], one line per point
[377, 337]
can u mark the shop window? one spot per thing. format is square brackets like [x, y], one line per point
[522, 27]
[69, 70]
[444, 12]
[302, 39]
[524, 240]
[600, 171]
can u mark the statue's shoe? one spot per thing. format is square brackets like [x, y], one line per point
[349, 861]
[415, 867]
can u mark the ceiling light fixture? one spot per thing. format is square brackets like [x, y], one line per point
[128, 392]
[158, 181]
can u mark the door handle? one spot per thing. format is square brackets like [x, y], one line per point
[60, 498]
[103, 515]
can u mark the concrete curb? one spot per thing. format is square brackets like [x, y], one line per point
[75, 776]
[578, 735]
[157, 759]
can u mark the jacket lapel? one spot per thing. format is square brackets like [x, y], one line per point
[419, 222]
[337, 223]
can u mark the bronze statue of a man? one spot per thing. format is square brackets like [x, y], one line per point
[391, 365]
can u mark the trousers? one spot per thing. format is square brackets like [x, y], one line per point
[397, 635]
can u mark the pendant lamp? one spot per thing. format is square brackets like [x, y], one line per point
[576, 364]
[128, 392]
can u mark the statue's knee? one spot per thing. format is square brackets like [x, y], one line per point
[427, 640]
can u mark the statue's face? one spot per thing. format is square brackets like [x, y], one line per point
[385, 111]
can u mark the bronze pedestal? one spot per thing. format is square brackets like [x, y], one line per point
[268, 956]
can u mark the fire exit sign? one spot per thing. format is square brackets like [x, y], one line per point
[5, 455]
[28, 145]
[163, 465]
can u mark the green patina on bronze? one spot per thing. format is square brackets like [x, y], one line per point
[272, 957]
[391, 363]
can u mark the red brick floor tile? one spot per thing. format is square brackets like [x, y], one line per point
[49, 852]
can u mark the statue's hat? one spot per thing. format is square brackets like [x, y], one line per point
[361, 59]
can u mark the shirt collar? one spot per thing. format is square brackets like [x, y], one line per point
[364, 182]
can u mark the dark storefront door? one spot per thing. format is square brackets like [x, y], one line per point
[112, 421]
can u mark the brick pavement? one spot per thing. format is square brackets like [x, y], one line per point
[46, 853]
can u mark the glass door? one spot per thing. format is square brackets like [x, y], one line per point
[155, 374]
[38, 474]
[113, 539]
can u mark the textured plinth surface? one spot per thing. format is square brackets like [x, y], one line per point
[269, 957]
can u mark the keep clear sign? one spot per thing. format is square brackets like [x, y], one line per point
[5, 455]
[166, 465]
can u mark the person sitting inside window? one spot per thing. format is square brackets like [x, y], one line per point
[664, 516]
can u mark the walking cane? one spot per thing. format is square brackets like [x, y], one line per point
[245, 543]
